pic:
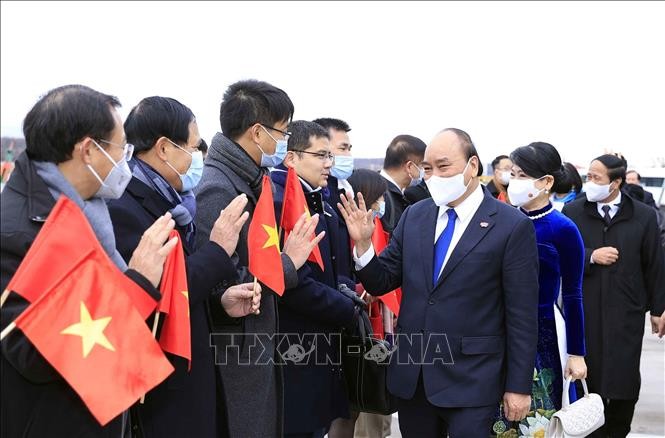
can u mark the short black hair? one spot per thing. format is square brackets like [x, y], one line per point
[573, 176]
[335, 124]
[402, 149]
[616, 166]
[203, 146]
[637, 174]
[497, 160]
[302, 132]
[635, 191]
[370, 183]
[63, 117]
[155, 117]
[248, 102]
[468, 146]
[539, 159]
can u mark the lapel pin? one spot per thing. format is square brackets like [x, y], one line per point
[484, 225]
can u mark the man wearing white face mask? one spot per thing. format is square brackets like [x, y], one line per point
[75, 147]
[624, 277]
[401, 169]
[497, 186]
[468, 268]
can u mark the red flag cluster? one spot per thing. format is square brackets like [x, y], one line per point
[86, 317]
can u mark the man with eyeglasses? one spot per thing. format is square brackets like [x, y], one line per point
[75, 147]
[314, 392]
[253, 116]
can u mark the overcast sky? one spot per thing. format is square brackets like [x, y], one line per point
[586, 77]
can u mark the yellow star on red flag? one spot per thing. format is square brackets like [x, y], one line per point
[273, 236]
[90, 330]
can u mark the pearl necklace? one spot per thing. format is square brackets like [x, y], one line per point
[538, 216]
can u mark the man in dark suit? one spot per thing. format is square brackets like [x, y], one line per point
[401, 168]
[632, 177]
[467, 329]
[314, 391]
[623, 279]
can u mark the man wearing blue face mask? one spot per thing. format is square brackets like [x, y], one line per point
[401, 169]
[254, 116]
[338, 184]
[166, 137]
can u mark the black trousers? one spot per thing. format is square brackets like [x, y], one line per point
[618, 416]
[418, 418]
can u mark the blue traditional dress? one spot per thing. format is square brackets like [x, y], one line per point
[561, 257]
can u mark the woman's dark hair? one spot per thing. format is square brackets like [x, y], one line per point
[155, 117]
[616, 166]
[369, 183]
[65, 116]
[539, 159]
[573, 176]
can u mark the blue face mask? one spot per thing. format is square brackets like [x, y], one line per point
[278, 157]
[343, 167]
[193, 175]
[382, 210]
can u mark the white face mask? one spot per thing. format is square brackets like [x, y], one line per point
[505, 177]
[596, 192]
[445, 190]
[522, 191]
[115, 183]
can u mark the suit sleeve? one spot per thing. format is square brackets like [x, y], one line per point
[520, 288]
[383, 274]
[319, 301]
[653, 267]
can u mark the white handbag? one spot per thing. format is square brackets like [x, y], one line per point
[579, 419]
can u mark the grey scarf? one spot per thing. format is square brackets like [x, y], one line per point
[95, 209]
[227, 151]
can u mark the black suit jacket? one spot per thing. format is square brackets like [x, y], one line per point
[473, 335]
[396, 203]
[186, 403]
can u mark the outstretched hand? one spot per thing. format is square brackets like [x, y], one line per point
[301, 242]
[359, 221]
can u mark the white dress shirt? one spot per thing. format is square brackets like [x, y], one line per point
[614, 206]
[390, 179]
[614, 209]
[465, 211]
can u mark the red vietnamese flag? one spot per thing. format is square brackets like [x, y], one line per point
[265, 260]
[66, 238]
[293, 207]
[176, 334]
[380, 240]
[94, 337]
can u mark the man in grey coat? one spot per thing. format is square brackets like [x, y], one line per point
[253, 118]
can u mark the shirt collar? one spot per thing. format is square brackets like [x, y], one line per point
[390, 179]
[468, 207]
[613, 205]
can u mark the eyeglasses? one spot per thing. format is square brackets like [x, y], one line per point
[286, 134]
[323, 156]
[128, 148]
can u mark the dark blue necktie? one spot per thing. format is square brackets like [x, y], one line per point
[442, 244]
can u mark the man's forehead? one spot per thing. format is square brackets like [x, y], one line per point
[444, 148]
